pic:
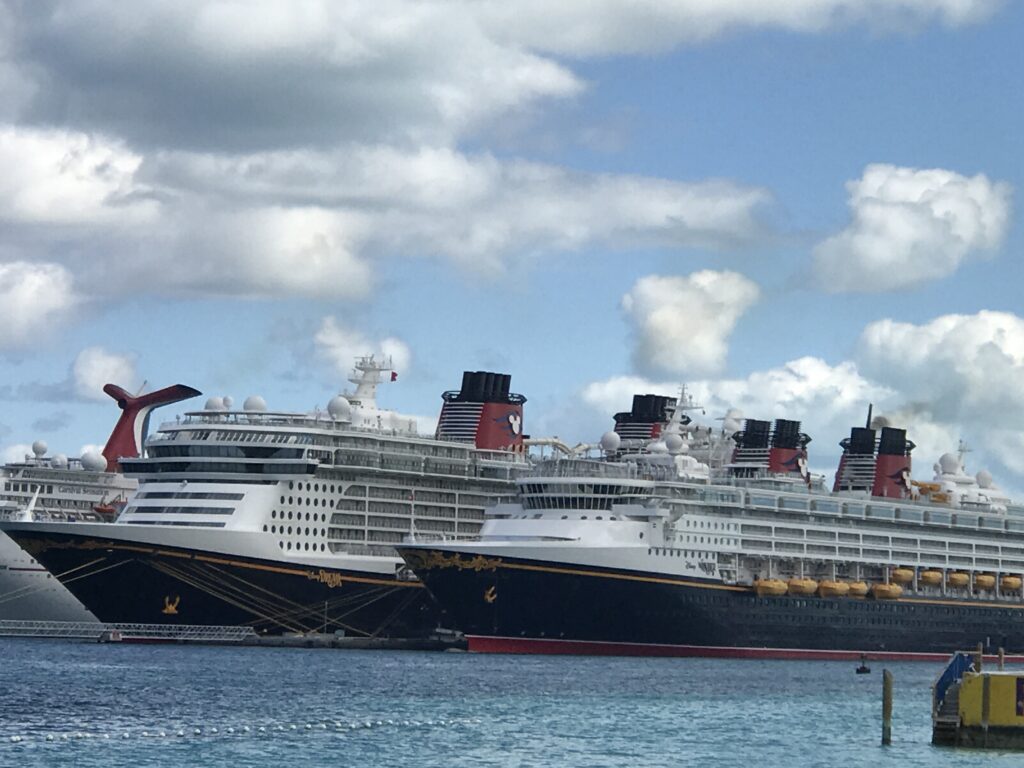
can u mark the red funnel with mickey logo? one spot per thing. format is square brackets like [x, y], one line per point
[483, 412]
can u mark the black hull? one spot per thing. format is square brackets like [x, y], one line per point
[504, 604]
[121, 582]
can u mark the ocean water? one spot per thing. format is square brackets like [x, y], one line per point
[84, 704]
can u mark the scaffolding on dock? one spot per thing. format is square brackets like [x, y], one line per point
[95, 630]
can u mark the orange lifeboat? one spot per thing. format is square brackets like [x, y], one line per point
[902, 575]
[802, 586]
[1010, 583]
[858, 589]
[958, 579]
[886, 591]
[930, 578]
[984, 581]
[770, 587]
[833, 589]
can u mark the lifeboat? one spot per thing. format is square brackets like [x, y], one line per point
[930, 578]
[1010, 583]
[958, 579]
[770, 587]
[833, 589]
[886, 591]
[802, 586]
[858, 588]
[984, 581]
[902, 575]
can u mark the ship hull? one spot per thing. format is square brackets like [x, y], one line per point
[28, 592]
[124, 581]
[518, 605]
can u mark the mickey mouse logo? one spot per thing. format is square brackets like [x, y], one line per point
[515, 421]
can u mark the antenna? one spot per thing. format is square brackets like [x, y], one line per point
[870, 408]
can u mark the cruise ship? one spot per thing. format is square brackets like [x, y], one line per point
[674, 539]
[287, 521]
[68, 490]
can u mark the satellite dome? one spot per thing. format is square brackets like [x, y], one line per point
[93, 461]
[949, 464]
[984, 478]
[60, 461]
[339, 408]
[215, 404]
[610, 441]
[39, 448]
[657, 446]
[674, 443]
[228, 402]
[254, 403]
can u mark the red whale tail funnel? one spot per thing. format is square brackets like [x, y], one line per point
[129, 435]
[483, 412]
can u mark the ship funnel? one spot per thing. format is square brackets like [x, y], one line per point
[129, 435]
[788, 451]
[892, 465]
[857, 464]
[483, 412]
[647, 417]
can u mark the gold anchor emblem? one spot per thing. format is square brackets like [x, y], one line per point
[171, 608]
[490, 594]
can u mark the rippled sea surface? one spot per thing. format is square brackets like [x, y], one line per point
[84, 704]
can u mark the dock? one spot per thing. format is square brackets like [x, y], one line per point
[197, 634]
[973, 706]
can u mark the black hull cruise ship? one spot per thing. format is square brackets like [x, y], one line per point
[689, 541]
[287, 522]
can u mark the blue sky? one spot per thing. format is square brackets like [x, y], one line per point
[243, 202]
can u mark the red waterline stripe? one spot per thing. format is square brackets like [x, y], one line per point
[484, 644]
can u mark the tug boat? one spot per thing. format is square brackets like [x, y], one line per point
[688, 540]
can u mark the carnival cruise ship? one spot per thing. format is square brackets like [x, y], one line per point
[288, 521]
[68, 490]
[682, 540]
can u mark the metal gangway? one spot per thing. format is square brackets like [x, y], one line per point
[95, 630]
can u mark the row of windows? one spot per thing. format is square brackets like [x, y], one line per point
[207, 495]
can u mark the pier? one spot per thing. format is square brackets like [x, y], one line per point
[977, 707]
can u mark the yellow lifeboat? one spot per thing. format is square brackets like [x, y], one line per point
[930, 578]
[886, 591]
[1010, 583]
[984, 581]
[802, 586]
[902, 575]
[958, 579]
[833, 589]
[858, 588]
[770, 587]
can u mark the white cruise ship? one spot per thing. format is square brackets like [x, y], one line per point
[288, 521]
[687, 540]
[67, 490]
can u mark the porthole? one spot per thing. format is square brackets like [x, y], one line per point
[280, 544]
[291, 485]
[273, 529]
[289, 515]
[289, 545]
[307, 517]
[273, 514]
[264, 528]
[289, 530]
[291, 500]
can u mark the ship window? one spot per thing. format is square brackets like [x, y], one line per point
[280, 544]
[290, 485]
[289, 530]
[264, 528]
[273, 514]
[565, 517]
[317, 487]
[289, 545]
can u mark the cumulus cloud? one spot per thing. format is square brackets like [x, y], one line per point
[33, 299]
[340, 346]
[682, 324]
[94, 367]
[910, 226]
[603, 27]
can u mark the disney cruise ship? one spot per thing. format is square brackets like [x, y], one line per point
[682, 540]
[288, 521]
[68, 490]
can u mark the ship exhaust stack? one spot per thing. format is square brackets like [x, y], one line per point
[483, 412]
[752, 451]
[857, 464]
[892, 465]
[129, 435]
[788, 451]
[644, 421]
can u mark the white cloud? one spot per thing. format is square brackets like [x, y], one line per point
[909, 226]
[682, 324]
[15, 453]
[33, 299]
[94, 367]
[602, 27]
[340, 346]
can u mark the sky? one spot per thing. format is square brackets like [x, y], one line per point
[793, 207]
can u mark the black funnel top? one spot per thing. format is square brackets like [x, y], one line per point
[484, 387]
